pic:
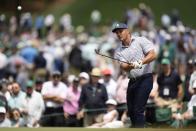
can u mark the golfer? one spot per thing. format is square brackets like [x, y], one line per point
[140, 52]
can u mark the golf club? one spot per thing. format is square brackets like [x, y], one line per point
[98, 53]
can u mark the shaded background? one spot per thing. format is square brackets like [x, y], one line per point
[110, 9]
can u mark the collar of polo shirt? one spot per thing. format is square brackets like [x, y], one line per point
[132, 40]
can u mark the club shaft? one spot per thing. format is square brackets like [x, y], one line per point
[113, 58]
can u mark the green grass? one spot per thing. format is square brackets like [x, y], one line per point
[114, 9]
[85, 129]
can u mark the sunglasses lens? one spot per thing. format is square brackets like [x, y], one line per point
[56, 76]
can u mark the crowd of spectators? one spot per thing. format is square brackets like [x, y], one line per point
[51, 76]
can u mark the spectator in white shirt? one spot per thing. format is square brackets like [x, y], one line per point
[54, 93]
[3, 59]
[192, 79]
[49, 21]
[189, 113]
[35, 104]
[3, 62]
[4, 121]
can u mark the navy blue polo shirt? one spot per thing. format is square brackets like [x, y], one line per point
[168, 85]
[93, 97]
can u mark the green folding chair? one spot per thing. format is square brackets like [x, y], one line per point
[163, 114]
[194, 112]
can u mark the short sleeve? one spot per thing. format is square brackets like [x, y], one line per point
[64, 91]
[191, 81]
[44, 89]
[178, 79]
[146, 45]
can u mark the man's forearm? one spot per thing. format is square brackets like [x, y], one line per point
[48, 97]
[54, 98]
[180, 92]
[126, 67]
[58, 100]
[149, 57]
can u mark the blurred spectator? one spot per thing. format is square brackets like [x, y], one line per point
[109, 117]
[192, 78]
[29, 53]
[192, 103]
[38, 85]
[40, 65]
[66, 23]
[175, 16]
[54, 93]
[88, 52]
[77, 62]
[128, 17]
[189, 113]
[95, 17]
[15, 62]
[83, 79]
[121, 90]
[39, 61]
[4, 62]
[181, 54]
[13, 25]
[9, 91]
[146, 19]
[2, 19]
[109, 83]
[170, 89]
[39, 24]
[70, 79]
[189, 71]
[16, 118]
[75, 58]
[17, 99]
[35, 105]
[92, 98]
[49, 55]
[71, 104]
[165, 21]
[49, 21]
[3, 57]
[167, 50]
[59, 64]
[3, 94]
[4, 121]
[26, 21]
[23, 74]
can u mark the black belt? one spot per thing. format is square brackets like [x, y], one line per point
[134, 79]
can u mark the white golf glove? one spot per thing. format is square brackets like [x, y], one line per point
[137, 64]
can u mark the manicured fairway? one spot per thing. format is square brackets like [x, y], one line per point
[84, 129]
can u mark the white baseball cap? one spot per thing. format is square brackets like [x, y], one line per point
[84, 75]
[2, 110]
[71, 78]
[111, 102]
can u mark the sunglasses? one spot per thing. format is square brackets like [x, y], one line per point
[56, 76]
